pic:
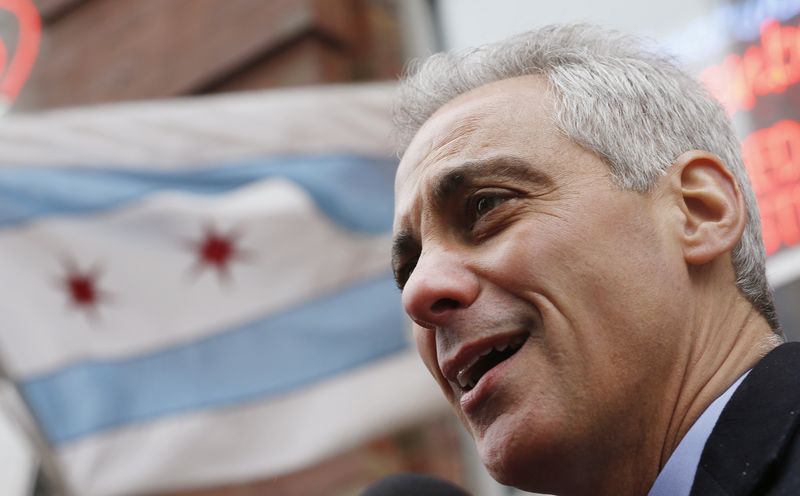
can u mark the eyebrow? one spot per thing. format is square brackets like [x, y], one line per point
[507, 167]
[404, 243]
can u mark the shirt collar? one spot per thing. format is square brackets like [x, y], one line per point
[677, 475]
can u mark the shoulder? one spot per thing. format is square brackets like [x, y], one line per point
[755, 445]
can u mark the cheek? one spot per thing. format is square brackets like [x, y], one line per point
[603, 274]
[528, 258]
[426, 346]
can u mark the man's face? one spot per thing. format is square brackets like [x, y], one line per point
[545, 297]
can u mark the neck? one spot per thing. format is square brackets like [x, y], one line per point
[721, 340]
[721, 352]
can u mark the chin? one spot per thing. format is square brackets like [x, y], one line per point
[530, 463]
[506, 470]
[518, 471]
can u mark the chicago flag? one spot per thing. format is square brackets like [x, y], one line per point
[197, 292]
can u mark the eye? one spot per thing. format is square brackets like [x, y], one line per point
[485, 204]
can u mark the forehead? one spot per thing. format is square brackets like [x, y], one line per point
[509, 118]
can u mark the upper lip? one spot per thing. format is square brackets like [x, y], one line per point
[469, 353]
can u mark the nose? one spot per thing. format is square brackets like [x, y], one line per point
[440, 285]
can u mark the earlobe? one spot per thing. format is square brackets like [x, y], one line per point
[713, 207]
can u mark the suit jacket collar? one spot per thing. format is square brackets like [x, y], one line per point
[754, 429]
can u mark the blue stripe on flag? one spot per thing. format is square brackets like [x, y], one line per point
[274, 355]
[356, 192]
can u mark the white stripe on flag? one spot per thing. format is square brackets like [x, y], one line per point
[259, 439]
[352, 119]
[158, 294]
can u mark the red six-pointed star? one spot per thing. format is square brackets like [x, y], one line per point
[216, 250]
[82, 287]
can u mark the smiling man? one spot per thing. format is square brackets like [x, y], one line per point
[579, 247]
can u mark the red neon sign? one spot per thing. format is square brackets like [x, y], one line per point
[772, 157]
[15, 71]
[768, 67]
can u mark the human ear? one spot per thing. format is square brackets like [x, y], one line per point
[712, 204]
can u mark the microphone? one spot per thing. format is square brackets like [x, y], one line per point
[413, 484]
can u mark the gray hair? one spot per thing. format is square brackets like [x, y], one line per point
[631, 106]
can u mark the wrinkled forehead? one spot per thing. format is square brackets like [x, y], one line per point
[500, 118]
[440, 142]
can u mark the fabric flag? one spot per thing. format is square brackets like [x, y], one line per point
[197, 292]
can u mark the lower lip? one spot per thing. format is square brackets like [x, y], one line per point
[472, 399]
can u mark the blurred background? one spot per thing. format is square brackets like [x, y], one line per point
[195, 213]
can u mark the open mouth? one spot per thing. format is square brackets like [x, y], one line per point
[469, 376]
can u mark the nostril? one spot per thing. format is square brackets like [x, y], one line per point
[444, 304]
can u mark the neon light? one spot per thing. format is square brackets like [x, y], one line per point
[764, 69]
[772, 157]
[16, 70]
[3, 56]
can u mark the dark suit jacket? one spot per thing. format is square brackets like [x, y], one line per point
[754, 448]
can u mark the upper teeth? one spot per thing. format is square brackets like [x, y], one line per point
[464, 377]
